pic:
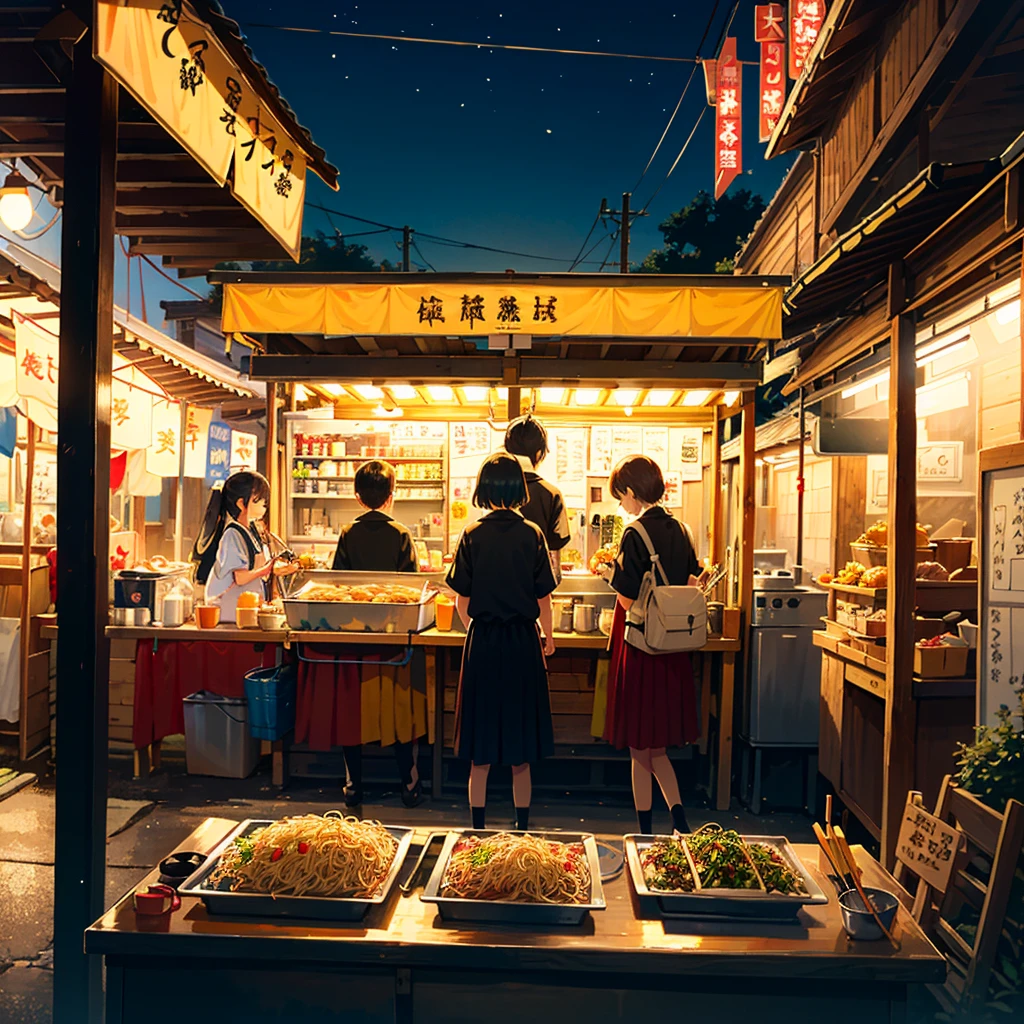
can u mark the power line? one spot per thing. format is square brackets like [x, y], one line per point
[421, 256]
[583, 244]
[682, 95]
[474, 45]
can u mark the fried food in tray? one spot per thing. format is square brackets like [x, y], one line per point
[368, 593]
[667, 868]
[877, 536]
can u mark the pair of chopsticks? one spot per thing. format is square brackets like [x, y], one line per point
[844, 864]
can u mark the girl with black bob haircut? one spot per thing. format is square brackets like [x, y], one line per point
[527, 440]
[232, 553]
[652, 703]
[502, 579]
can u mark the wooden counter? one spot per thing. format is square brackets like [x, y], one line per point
[402, 963]
[717, 689]
[852, 728]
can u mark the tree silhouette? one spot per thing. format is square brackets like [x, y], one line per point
[704, 236]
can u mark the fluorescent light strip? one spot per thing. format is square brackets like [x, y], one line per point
[947, 350]
[625, 396]
[475, 393]
[863, 385]
[551, 396]
[659, 397]
[586, 396]
[440, 392]
[333, 389]
[696, 397]
[367, 391]
[404, 392]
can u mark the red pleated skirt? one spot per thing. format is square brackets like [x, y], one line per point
[652, 701]
[328, 709]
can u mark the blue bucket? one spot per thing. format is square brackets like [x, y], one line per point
[271, 696]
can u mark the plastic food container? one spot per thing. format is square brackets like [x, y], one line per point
[208, 616]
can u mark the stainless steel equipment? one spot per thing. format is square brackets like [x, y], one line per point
[506, 911]
[323, 908]
[584, 618]
[722, 904]
[780, 696]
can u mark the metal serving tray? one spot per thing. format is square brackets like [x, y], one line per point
[360, 617]
[508, 911]
[325, 908]
[722, 904]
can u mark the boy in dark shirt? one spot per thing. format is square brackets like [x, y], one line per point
[374, 542]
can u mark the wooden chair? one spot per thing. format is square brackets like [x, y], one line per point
[976, 898]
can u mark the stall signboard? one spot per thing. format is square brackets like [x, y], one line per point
[600, 462]
[655, 445]
[131, 416]
[197, 431]
[728, 119]
[163, 454]
[173, 64]
[927, 845]
[770, 33]
[805, 19]
[218, 453]
[570, 451]
[411, 431]
[940, 462]
[686, 453]
[36, 354]
[478, 310]
[243, 451]
[470, 439]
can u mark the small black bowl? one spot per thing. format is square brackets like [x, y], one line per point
[179, 866]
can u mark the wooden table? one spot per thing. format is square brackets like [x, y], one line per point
[720, 785]
[402, 963]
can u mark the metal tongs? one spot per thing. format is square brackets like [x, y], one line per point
[717, 574]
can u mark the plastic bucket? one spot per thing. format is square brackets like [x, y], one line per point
[271, 696]
[217, 738]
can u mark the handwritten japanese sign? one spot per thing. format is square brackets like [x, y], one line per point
[805, 18]
[197, 432]
[173, 64]
[770, 32]
[36, 354]
[243, 451]
[131, 416]
[218, 452]
[928, 846]
[470, 439]
[163, 454]
[728, 119]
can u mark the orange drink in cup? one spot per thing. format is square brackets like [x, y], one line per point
[444, 609]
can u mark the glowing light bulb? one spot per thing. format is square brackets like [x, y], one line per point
[15, 205]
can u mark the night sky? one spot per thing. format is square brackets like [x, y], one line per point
[501, 148]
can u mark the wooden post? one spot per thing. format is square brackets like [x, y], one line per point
[279, 481]
[83, 530]
[849, 501]
[900, 709]
[717, 540]
[26, 592]
[179, 497]
[748, 507]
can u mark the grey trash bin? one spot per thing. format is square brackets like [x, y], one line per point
[217, 739]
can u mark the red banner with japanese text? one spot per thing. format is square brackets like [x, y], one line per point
[770, 32]
[728, 118]
[805, 18]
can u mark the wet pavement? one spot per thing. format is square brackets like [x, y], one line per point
[148, 818]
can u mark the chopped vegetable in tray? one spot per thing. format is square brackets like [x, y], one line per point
[666, 867]
[722, 861]
[776, 874]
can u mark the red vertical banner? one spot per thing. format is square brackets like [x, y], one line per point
[728, 118]
[770, 32]
[805, 18]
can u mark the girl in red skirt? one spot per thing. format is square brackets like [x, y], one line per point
[652, 703]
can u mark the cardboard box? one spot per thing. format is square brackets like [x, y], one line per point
[940, 662]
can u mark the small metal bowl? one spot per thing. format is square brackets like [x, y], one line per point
[858, 921]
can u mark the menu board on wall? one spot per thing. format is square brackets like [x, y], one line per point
[600, 463]
[405, 431]
[470, 439]
[656, 445]
[1001, 645]
[626, 440]
[686, 452]
[570, 450]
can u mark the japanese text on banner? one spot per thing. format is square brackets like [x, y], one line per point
[728, 119]
[805, 19]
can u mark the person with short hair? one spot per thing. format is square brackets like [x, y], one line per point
[503, 581]
[527, 440]
[374, 542]
[652, 702]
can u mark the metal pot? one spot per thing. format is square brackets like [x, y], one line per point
[715, 609]
[174, 610]
[584, 618]
[561, 614]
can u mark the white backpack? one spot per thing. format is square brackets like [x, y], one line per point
[665, 618]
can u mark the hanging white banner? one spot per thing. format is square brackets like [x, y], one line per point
[243, 451]
[197, 437]
[8, 381]
[141, 483]
[162, 454]
[131, 416]
[36, 354]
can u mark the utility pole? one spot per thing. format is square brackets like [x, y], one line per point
[624, 235]
[406, 242]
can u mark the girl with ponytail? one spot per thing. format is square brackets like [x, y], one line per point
[231, 552]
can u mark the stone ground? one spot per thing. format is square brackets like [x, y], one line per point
[147, 818]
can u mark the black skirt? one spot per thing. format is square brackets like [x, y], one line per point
[503, 715]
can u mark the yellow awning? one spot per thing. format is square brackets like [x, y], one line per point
[467, 309]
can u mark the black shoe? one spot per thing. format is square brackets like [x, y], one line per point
[414, 796]
[353, 795]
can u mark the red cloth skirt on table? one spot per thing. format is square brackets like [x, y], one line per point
[328, 708]
[169, 670]
[652, 701]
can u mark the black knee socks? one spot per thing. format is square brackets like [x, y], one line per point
[354, 765]
[403, 757]
[479, 816]
[679, 822]
[522, 818]
[645, 821]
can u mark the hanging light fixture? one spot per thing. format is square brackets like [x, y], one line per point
[15, 205]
